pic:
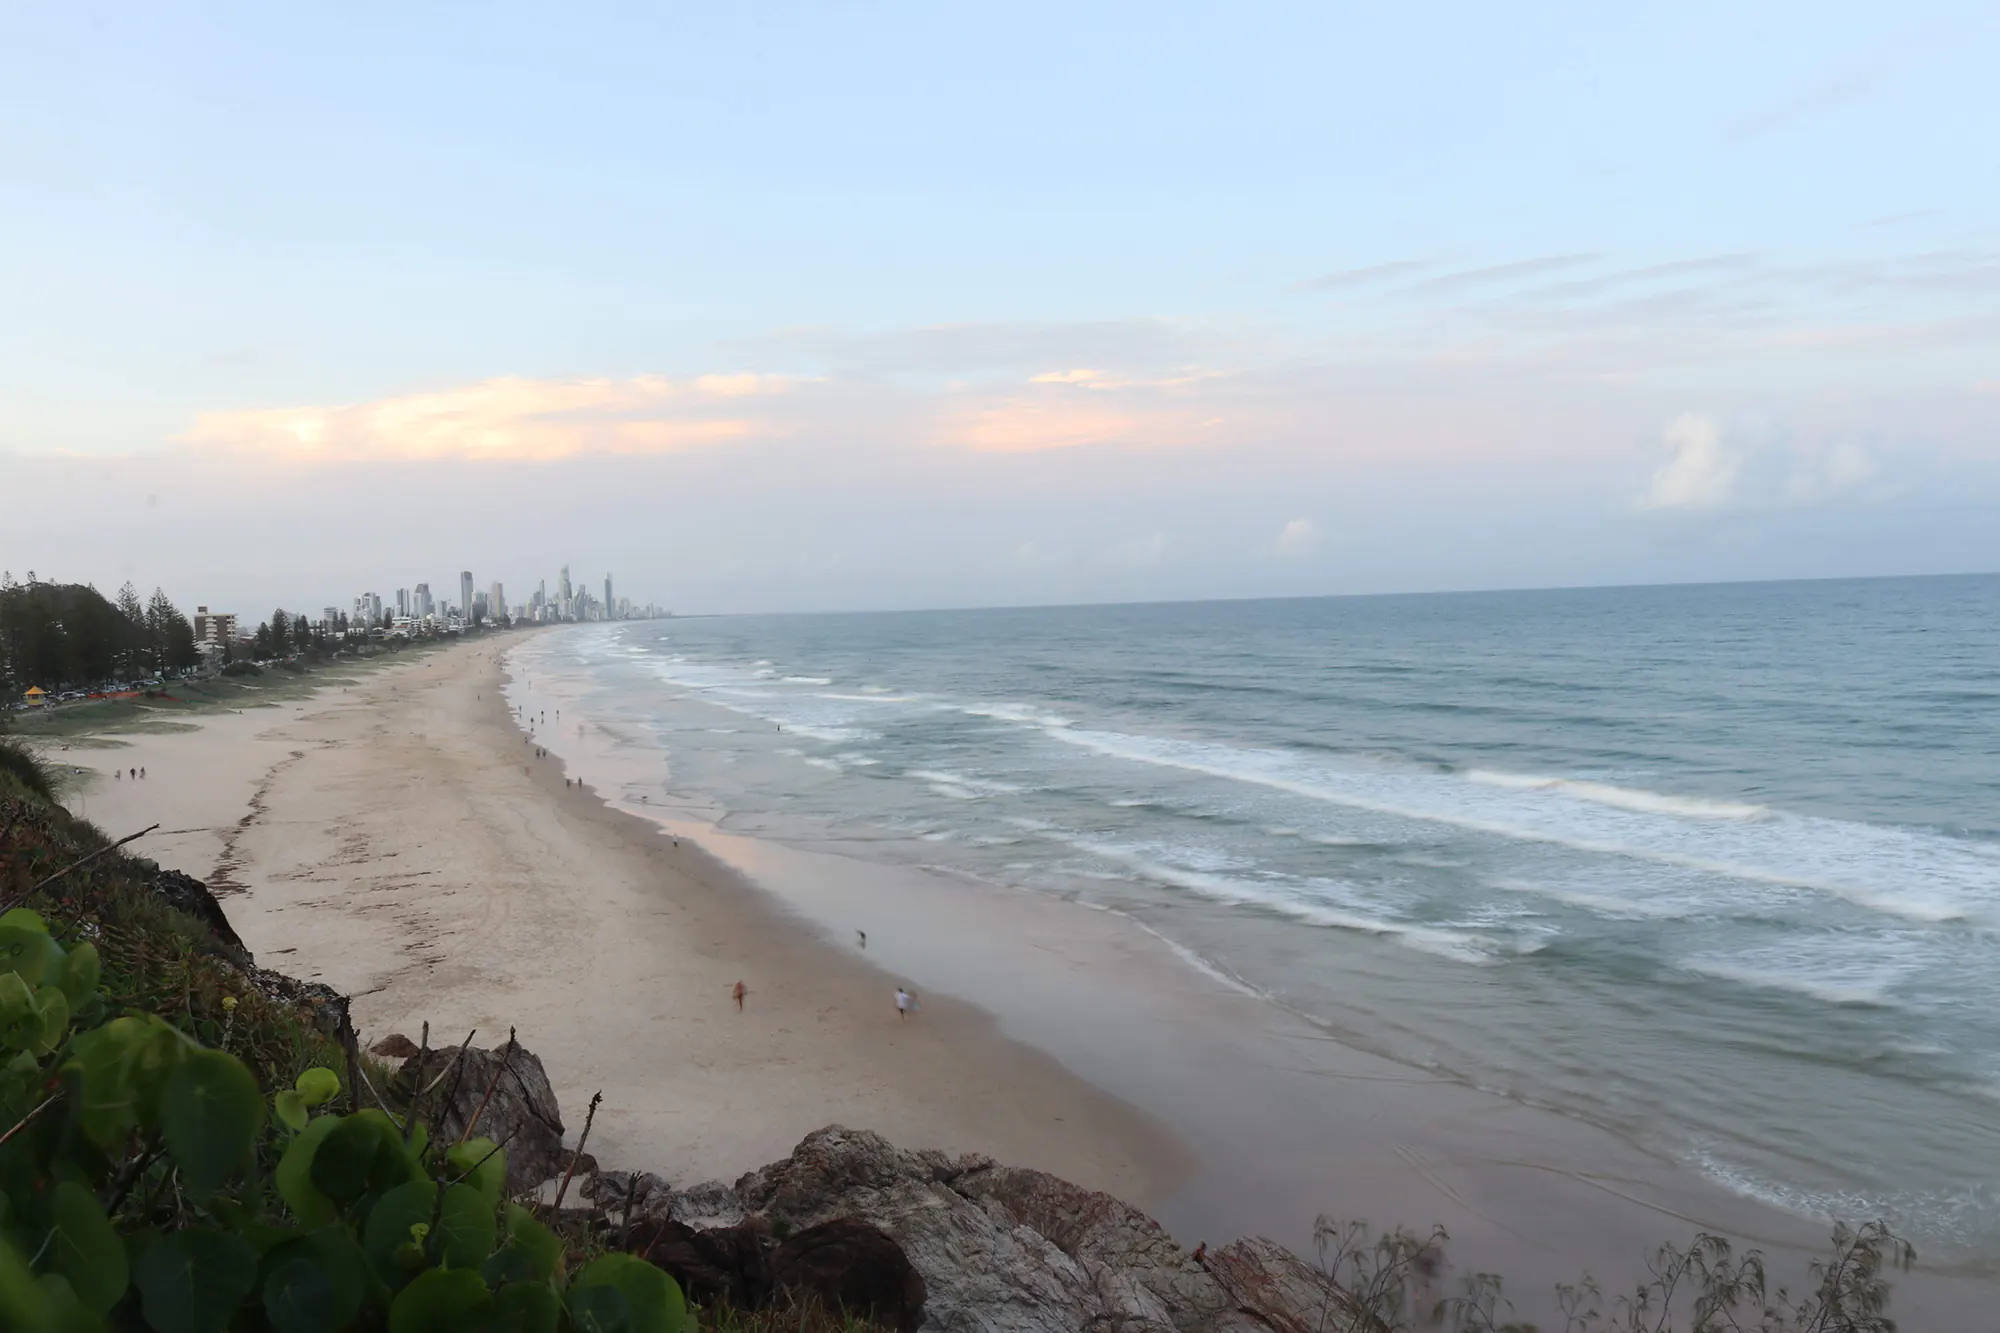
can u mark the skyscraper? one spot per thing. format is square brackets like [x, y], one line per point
[496, 602]
[422, 607]
[465, 594]
[563, 591]
[610, 606]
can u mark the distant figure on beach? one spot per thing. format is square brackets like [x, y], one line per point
[135, 774]
[118, 773]
[739, 993]
[862, 936]
[904, 1002]
[142, 772]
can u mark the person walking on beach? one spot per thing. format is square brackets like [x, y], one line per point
[739, 993]
[862, 935]
[904, 1003]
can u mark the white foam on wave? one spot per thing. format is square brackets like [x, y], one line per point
[1599, 904]
[808, 680]
[1822, 855]
[1868, 991]
[971, 787]
[1233, 890]
[1623, 798]
[1011, 712]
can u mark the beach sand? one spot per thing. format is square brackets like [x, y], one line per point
[400, 840]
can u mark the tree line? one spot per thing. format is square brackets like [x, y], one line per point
[66, 635]
[62, 636]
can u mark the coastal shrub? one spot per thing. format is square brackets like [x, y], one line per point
[26, 769]
[146, 1183]
[1391, 1284]
[242, 667]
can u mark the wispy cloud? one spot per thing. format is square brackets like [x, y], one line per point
[1467, 279]
[1837, 90]
[500, 419]
[1373, 274]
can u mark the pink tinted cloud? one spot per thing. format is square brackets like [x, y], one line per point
[503, 419]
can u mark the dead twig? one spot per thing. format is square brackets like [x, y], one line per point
[416, 1093]
[581, 1139]
[20, 898]
[506, 1057]
[22, 1123]
[451, 1093]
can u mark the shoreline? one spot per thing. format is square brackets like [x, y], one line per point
[1072, 1041]
[399, 842]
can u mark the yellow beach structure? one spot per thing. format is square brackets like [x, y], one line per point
[37, 697]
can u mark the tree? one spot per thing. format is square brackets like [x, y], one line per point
[134, 612]
[281, 632]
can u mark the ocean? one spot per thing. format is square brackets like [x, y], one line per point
[1714, 867]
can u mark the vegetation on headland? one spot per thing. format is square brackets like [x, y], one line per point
[184, 1146]
[188, 1143]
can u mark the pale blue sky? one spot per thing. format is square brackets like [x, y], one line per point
[1681, 291]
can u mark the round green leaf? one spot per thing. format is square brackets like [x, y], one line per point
[23, 1304]
[318, 1086]
[363, 1156]
[210, 1118]
[294, 1175]
[81, 973]
[481, 1164]
[465, 1228]
[54, 1006]
[388, 1227]
[654, 1298]
[439, 1300]
[193, 1281]
[298, 1298]
[124, 1067]
[84, 1248]
[20, 1016]
[525, 1307]
[599, 1310]
[24, 951]
[290, 1110]
[542, 1246]
[335, 1255]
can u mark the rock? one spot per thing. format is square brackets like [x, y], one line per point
[187, 894]
[521, 1114]
[645, 1193]
[997, 1248]
[849, 1266]
[395, 1046]
[724, 1264]
[1286, 1292]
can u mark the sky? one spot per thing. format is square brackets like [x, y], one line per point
[836, 306]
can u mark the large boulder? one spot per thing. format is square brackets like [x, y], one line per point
[997, 1248]
[519, 1114]
[854, 1267]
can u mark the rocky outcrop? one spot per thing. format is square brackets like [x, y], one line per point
[998, 1249]
[190, 895]
[507, 1089]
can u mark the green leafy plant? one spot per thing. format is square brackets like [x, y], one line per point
[146, 1182]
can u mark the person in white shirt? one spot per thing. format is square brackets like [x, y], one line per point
[904, 1002]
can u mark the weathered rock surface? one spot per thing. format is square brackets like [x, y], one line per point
[847, 1264]
[190, 895]
[521, 1114]
[1000, 1248]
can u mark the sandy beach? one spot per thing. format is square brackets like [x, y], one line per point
[399, 839]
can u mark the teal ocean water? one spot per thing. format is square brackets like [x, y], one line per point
[1716, 867]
